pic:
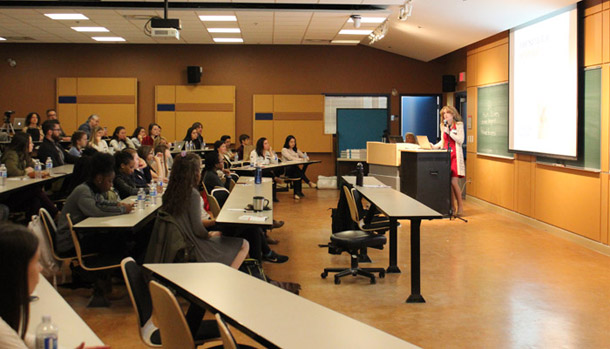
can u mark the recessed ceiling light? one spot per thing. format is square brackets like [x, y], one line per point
[349, 42]
[355, 31]
[218, 18]
[224, 30]
[369, 20]
[66, 16]
[108, 38]
[234, 40]
[2, 39]
[90, 29]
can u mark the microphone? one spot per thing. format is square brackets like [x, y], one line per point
[445, 123]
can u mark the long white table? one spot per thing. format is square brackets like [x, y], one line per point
[397, 205]
[241, 196]
[132, 220]
[272, 316]
[72, 329]
[251, 168]
[16, 183]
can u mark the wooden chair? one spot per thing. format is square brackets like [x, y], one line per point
[228, 341]
[221, 195]
[214, 206]
[172, 323]
[51, 232]
[95, 263]
[136, 282]
[232, 184]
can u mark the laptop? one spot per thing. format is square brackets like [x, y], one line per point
[19, 123]
[178, 146]
[395, 139]
[423, 142]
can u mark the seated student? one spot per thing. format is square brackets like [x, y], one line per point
[32, 127]
[89, 199]
[153, 162]
[19, 262]
[97, 141]
[138, 135]
[154, 131]
[52, 115]
[141, 175]
[79, 142]
[92, 121]
[226, 139]
[169, 160]
[18, 163]
[410, 138]
[211, 178]
[264, 155]
[193, 136]
[162, 151]
[120, 140]
[290, 152]
[82, 169]
[124, 183]
[199, 127]
[244, 140]
[182, 201]
[50, 146]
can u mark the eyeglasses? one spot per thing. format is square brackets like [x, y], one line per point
[57, 129]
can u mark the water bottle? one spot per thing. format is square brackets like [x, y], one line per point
[160, 185]
[46, 334]
[141, 198]
[48, 165]
[258, 175]
[306, 156]
[236, 157]
[153, 193]
[38, 169]
[359, 174]
[3, 175]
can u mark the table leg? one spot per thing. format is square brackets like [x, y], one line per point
[194, 316]
[415, 296]
[393, 268]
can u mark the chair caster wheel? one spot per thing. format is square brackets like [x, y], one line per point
[382, 274]
[324, 275]
[373, 281]
[337, 281]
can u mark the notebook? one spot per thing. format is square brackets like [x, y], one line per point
[423, 142]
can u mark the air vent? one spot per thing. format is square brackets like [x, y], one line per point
[138, 17]
[18, 38]
[317, 41]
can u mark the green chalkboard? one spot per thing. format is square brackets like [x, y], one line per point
[492, 121]
[589, 133]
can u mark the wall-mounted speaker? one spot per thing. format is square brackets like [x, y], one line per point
[449, 83]
[193, 74]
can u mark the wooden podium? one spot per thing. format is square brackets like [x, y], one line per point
[425, 175]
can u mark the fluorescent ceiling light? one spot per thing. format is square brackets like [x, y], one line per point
[368, 20]
[2, 39]
[228, 40]
[218, 18]
[66, 16]
[224, 30]
[356, 31]
[90, 29]
[108, 38]
[352, 42]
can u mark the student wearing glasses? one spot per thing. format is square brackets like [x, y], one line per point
[50, 146]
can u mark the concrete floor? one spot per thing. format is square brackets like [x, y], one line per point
[498, 281]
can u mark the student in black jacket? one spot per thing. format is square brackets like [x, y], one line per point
[124, 165]
[50, 146]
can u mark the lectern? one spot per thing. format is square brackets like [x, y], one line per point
[425, 175]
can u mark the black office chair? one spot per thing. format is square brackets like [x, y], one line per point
[354, 241]
[137, 287]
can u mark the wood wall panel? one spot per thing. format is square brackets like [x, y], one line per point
[264, 128]
[205, 94]
[302, 131]
[298, 103]
[492, 66]
[111, 115]
[605, 36]
[593, 39]
[107, 86]
[215, 124]
[67, 113]
[495, 180]
[165, 94]
[471, 70]
[471, 108]
[569, 199]
[167, 121]
[523, 186]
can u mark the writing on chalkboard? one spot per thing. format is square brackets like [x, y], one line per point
[492, 120]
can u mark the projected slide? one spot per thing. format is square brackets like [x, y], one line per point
[543, 84]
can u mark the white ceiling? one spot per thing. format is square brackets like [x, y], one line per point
[435, 28]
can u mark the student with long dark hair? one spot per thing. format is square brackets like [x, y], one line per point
[19, 163]
[120, 141]
[263, 155]
[32, 126]
[124, 183]
[138, 135]
[19, 255]
[290, 152]
[182, 201]
[193, 136]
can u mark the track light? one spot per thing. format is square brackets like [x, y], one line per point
[405, 11]
[379, 33]
[357, 20]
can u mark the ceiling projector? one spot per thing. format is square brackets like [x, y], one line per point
[165, 28]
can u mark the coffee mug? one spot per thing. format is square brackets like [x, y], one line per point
[259, 203]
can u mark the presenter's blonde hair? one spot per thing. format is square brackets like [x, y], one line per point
[450, 109]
